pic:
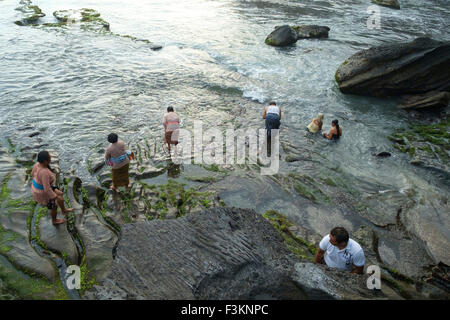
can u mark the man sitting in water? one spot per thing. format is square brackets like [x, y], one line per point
[340, 252]
[316, 124]
[171, 123]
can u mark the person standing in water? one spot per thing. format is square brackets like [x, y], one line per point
[44, 189]
[171, 123]
[335, 131]
[316, 124]
[118, 158]
[272, 115]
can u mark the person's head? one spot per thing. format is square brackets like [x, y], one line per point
[44, 158]
[339, 237]
[169, 109]
[320, 117]
[113, 138]
[272, 103]
[335, 123]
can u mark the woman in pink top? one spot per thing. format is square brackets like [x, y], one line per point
[171, 123]
[44, 190]
[117, 156]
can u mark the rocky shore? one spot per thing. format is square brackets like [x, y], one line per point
[183, 243]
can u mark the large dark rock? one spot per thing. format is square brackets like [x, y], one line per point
[432, 99]
[282, 36]
[222, 253]
[387, 3]
[416, 67]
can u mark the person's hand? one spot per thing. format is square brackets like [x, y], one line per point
[59, 192]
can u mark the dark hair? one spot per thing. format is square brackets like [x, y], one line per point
[169, 109]
[43, 156]
[272, 103]
[340, 234]
[112, 138]
[336, 123]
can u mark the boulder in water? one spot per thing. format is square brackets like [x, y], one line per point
[432, 99]
[415, 67]
[387, 3]
[311, 31]
[282, 36]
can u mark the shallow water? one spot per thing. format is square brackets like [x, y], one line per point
[78, 86]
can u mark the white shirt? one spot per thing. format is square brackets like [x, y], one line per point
[273, 109]
[343, 259]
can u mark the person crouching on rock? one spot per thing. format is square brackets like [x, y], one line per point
[117, 157]
[316, 124]
[44, 190]
[171, 123]
[335, 131]
[337, 250]
[272, 115]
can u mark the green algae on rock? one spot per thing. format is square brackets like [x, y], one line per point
[31, 13]
[428, 145]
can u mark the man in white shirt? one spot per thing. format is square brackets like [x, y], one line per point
[338, 251]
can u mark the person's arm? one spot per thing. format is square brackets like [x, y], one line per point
[319, 258]
[264, 113]
[45, 177]
[340, 131]
[280, 113]
[358, 262]
[358, 270]
[327, 135]
[107, 154]
[165, 122]
[320, 125]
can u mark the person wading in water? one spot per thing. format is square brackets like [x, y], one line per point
[118, 158]
[316, 124]
[171, 123]
[272, 115]
[44, 189]
[335, 131]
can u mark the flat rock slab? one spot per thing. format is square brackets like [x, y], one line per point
[58, 239]
[23, 255]
[321, 282]
[404, 255]
[196, 256]
[98, 241]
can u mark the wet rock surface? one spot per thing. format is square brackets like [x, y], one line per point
[432, 99]
[388, 3]
[414, 67]
[195, 257]
[282, 36]
[311, 31]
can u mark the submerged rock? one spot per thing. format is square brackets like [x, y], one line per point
[415, 67]
[282, 36]
[387, 3]
[432, 99]
[311, 31]
[31, 13]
